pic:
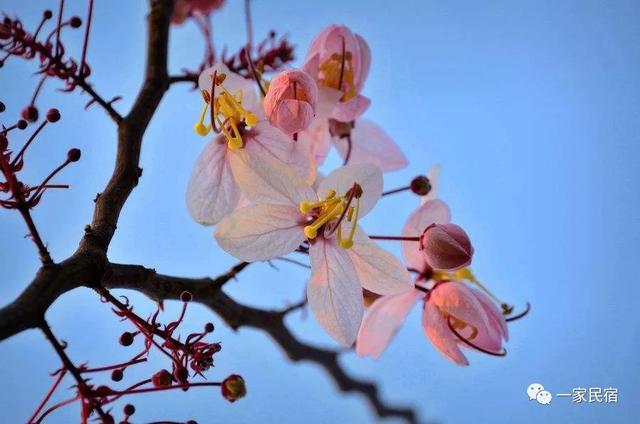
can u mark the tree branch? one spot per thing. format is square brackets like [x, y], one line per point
[207, 291]
[89, 263]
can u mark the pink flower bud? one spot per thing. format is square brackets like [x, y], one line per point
[162, 379]
[446, 247]
[291, 101]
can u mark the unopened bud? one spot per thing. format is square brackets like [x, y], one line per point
[421, 185]
[73, 155]
[129, 409]
[53, 115]
[75, 22]
[208, 327]
[2, 107]
[21, 124]
[233, 388]
[446, 247]
[47, 14]
[126, 339]
[185, 296]
[30, 113]
[181, 374]
[161, 379]
[116, 375]
[290, 103]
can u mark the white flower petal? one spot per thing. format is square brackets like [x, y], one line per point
[370, 144]
[232, 83]
[212, 192]
[378, 270]
[434, 179]
[263, 179]
[260, 232]
[334, 295]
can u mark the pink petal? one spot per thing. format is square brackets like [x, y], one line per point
[370, 144]
[437, 330]
[292, 116]
[350, 110]
[378, 271]
[212, 192]
[316, 140]
[434, 179]
[369, 177]
[496, 319]
[432, 212]
[365, 58]
[260, 232]
[382, 321]
[334, 295]
[458, 300]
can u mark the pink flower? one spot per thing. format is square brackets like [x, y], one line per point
[432, 212]
[454, 315]
[290, 103]
[185, 8]
[245, 139]
[286, 212]
[339, 60]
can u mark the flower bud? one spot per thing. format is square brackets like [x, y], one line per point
[30, 113]
[209, 327]
[126, 339]
[446, 247]
[22, 124]
[290, 103]
[185, 296]
[53, 115]
[117, 374]
[421, 185]
[181, 374]
[233, 388]
[129, 409]
[75, 22]
[47, 14]
[161, 379]
[73, 155]
[2, 107]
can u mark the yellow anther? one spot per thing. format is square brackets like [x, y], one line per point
[346, 243]
[200, 128]
[311, 231]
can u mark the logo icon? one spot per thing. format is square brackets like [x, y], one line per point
[537, 392]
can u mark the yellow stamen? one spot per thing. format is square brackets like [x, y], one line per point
[200, 128]
[333, 208]
[228, 113]
[311, 231]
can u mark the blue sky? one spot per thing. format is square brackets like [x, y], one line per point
[531, 107]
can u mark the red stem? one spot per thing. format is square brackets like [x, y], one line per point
[86, 40]
[396, 238]
[396, 190]
[46, 398]
[59, 26]
[26, 145]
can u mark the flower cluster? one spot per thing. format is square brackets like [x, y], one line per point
[257, 179]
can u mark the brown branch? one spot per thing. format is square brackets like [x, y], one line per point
[89, 263]
[207, 291]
